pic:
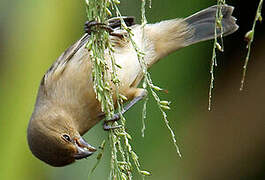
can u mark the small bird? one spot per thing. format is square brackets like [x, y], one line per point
[67, 107]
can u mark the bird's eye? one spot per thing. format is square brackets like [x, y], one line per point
[67, 137]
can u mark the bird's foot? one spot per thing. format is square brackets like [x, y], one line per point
[93, 23]
[115, 118]
[108, 28]
[107, 127]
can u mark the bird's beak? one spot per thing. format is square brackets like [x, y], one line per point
[83, 148]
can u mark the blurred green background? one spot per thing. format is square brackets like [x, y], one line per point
[226, 143]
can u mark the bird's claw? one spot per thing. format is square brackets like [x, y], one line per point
[107, 127]
[115, 118]
[89, 24]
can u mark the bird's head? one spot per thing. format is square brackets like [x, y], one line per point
[56, 141]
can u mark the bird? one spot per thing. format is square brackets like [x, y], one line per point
[66, 105]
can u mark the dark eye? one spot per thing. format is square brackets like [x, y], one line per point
[67, 137]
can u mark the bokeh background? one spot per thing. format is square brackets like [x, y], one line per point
[225, 143]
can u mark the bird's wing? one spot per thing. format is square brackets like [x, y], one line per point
[68, 54]
[59, 65]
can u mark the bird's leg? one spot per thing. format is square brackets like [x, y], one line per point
[116, 21]
[108, 28]
[107, 127]
[138, 94]
[90, 24]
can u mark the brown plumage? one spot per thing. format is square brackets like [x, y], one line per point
[66, 105]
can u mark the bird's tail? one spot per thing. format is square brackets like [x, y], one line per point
[203, 24]
[168, 36]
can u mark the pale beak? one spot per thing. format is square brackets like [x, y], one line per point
[83, 149]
